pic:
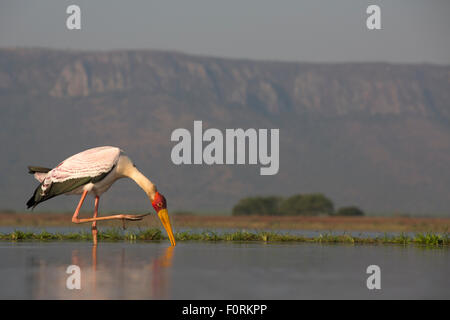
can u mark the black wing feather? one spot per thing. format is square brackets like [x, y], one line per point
[58, 188]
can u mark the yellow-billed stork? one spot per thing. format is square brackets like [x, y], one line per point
[93, 172]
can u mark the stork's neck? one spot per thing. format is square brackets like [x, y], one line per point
[143, 182]
[127, 169]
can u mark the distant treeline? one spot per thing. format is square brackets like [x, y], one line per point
[313, 204]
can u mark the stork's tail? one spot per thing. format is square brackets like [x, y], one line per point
[39, 174]
[34, 200]
[33, 170]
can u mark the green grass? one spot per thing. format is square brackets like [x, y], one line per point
[115, 234]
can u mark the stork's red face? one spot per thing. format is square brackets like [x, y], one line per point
[160, 205]
[159, 202]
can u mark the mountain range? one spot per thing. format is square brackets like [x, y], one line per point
[375, 135]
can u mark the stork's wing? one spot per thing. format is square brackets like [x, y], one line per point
[88, 166]
[89, 163]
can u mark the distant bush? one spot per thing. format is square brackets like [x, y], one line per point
[258, 206]
[307, 204]
[350, 211]
[301, 204]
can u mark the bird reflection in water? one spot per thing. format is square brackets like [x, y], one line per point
[125, 278]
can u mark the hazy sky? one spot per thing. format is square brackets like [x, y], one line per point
[312, 30]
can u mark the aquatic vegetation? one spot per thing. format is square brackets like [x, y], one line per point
[149, 234]
[432, 239]
[113, 234]
[155, 234]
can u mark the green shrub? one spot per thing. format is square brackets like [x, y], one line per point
[307, 204]
[258, 206]
[350, 211]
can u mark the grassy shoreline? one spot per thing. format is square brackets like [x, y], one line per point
[114, 234]
[378, 224]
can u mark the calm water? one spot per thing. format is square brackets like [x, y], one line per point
[200, 270]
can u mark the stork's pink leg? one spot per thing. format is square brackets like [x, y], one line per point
[75, 218]
[94, 224]
[80, 204]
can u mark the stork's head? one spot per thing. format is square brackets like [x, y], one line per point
[159, 203]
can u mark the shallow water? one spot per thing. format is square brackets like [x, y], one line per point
[203, 270]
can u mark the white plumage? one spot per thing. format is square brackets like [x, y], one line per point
[90, 163]
[93, 172]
